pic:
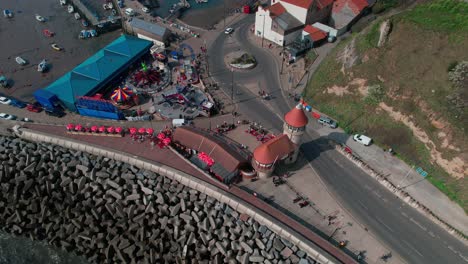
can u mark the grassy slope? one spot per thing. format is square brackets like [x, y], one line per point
[413, 64]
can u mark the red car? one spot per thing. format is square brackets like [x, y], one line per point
[34, 108]
[48, 33]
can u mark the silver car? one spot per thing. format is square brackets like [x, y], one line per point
[7, 116]
[327, 121]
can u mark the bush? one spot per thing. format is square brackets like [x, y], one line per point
[244, 59]
[375, 96]
[383, 5]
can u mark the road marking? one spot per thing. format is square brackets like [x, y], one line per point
[378, 220]
[431, 234]
[378, 195]
[365, 207]
[404, 214]
[415, 250]
[418, 224]
[452, 249]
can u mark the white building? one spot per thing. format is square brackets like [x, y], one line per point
[283, 20]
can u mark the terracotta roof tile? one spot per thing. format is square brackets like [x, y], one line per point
[296, 117]
[299, 3]
[274, 149]
[315, 33]
[276, 9]
[355, 5]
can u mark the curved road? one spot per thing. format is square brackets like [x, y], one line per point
[406, 231]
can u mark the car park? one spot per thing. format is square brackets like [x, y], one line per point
[52, 112]
[17, 103]
[7, 116]
[4, 100]
[228, 31]
[365, 140]
[327, 121]
[36, 107]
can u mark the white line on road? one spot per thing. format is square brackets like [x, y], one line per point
[378, 195]
[378, 220]
[431, 234]
[365, 207]
[404, 214]
[418, 224]
[415, 250]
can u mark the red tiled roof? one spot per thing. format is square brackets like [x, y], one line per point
[355, 5]
[300, 3]
[296, 117]
[315, 33]
[274, 149]
[276, 9]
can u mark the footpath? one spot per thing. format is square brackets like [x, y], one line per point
[396, 171]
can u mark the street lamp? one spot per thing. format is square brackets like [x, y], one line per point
[232, 85]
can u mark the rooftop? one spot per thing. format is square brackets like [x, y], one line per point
[149, 27]
[274, 150]
[276, 9]
[315, 33]
[287, 21]
[97, 69]
[296, 117]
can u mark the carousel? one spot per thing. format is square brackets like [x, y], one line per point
[123, 97]
[146, 76]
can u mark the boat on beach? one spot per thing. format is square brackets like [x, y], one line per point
[40, 18]
[201, 1]
[70, 9]
[63, 2]
[42, 66]
[77, 16]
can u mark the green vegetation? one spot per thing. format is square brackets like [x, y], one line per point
[244, 59]
[383, 5]
[442, 15]
[417, 73]
[310, 58]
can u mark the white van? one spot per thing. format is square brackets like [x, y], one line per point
[180, 122]
[129, 12]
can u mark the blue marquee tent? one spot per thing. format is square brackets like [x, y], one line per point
[98, 70]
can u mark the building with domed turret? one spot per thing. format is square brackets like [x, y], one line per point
[283, 148]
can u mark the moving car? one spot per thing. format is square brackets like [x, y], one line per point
[365, 140]
[21, 61]
[4, 100]
[56, 47]
[7, 13]
[228, 31]
[7, 116]
[327, 121]
[40, 18]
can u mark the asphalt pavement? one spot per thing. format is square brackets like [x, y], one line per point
[410, 234]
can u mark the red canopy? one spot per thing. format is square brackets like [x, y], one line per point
[102, 128]
[161, 136]
[78, 127]
[111, 129]
[118, 129]
[149, 131]
[94, 128]
[70, 126]
[142, 130]
[132, 130]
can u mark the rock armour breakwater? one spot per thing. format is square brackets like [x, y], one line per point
[109, 211]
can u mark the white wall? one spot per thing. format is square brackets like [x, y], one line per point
[298, 12]
[156, 42]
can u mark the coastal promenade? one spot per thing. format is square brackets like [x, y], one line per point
[297, 233]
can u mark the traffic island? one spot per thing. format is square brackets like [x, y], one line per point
[241, 60]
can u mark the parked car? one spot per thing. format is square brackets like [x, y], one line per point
[56, 47]
[327, 121]
[4, 100]
[228, 31]
[7, 116]
[36, 107]
[17, 103]
[145, 9]
[56, 113]
[7, 13]
[365, 140]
